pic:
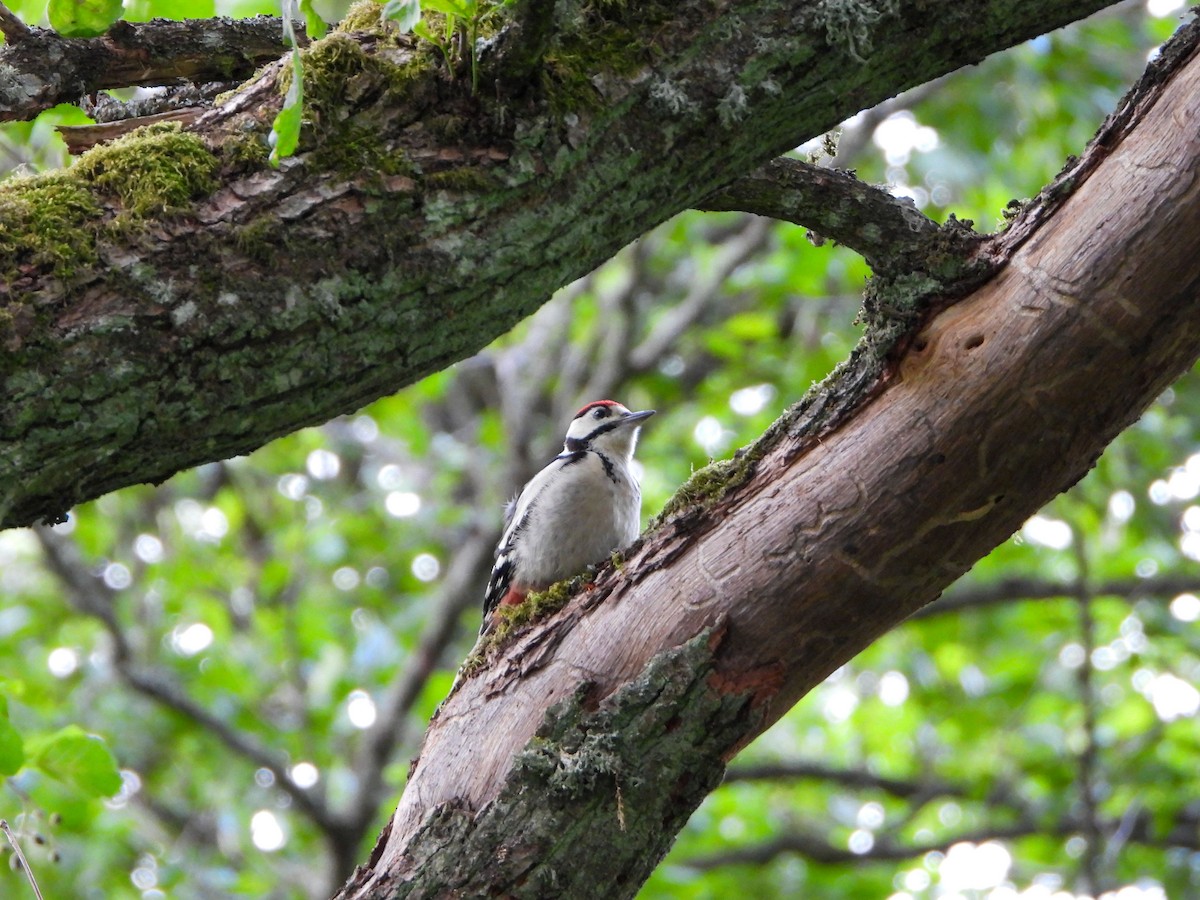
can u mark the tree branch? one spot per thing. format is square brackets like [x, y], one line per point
[889, 232]
[772, 569]
[383, 252]
[819, 850]
[1008, 590]
[1140, 829]
[42, 68]
[1088, 755]
[851, 778]
[12, 27]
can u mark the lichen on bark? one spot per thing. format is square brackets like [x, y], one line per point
[672, 724]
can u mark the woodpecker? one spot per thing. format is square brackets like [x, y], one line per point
[575, 512]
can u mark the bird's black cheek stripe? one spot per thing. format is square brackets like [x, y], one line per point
[575, 445]
[611, 425]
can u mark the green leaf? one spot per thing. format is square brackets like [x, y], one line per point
[79, 759]
[405, 13]
[285, 132]
[12, 748]
[82, 18]
[464, 9]
[315, 25]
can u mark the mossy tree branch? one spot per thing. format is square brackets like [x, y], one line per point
[889, 232]
[193, 308]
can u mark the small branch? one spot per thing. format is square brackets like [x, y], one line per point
[1014, 589]
[12, 839]
[43, 68]
[819, 850]
[854, 778]
[701, 297]
[79, 138]
[889, 232]
[13, 28]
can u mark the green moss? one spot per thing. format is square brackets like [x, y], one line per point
[353, 149]
[153, 170]
[465, 180]
[257, 240]
[43, 223]
[510, 619]
[246, 151]
[708, 485]
[601, 40]
[366, 15]
[340, 78]
[448, 129]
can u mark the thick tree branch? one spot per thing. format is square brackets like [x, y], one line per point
[42, 68]
[775, 568]
[418, 221]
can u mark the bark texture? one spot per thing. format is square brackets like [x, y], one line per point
[614, 715]
[173, 300]
[42, 68]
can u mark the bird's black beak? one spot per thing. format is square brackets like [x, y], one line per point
[634, 417]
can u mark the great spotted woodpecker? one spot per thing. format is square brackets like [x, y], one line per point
[575, 512]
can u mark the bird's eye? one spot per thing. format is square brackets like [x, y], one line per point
[600, 413]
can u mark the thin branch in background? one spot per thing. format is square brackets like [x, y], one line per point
[1088, 759]
[855, 138]
[1011, 590]
[16, 845]
[13, 28]
[701, 297]
[818, 849]
[853, 778]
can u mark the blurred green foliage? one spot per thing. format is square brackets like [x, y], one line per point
[233, 639]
